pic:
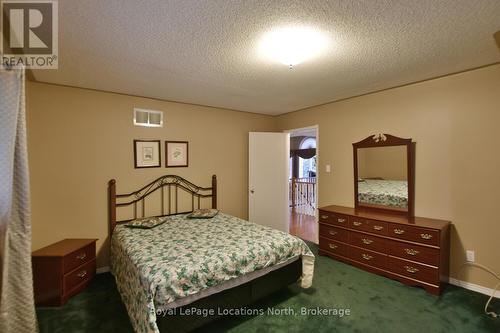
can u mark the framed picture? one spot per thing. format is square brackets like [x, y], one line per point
[177, 154]
[147, 154]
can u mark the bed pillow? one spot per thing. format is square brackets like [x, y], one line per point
[203, 214]
[146, 222]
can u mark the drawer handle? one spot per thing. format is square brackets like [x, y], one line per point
[81, 256]
[324, 217]
[367, 256]
[367, 241]
[378, 227]
[399, 231]
[332, 232]
[410, 269]
[356, 223]
[341, 220]
[332, 246]
[412, 252]
[426, 236]
[82, 274]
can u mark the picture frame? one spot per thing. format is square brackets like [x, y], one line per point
[177, 154]
[147, 154]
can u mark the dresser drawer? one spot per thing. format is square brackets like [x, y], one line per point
[368, 257]
[334, 233]
[79, 276]
[79, 257]
[367, 225]
[334, 218]
[415, 234]
[367, 241]
[334, 247]
[422, 254]
[413, 270]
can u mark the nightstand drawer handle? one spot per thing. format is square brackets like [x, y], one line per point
[332, 246]
[399, 231]
[82, 274]
[410, 269]
[411, 252]
[426, 236]
[324, 217]
[341, 220]
[367, 241]
[332, 232]
[81, 256]
[367, 256]
[378, 227]
[356, 223]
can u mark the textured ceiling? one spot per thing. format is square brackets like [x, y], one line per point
[204, 52]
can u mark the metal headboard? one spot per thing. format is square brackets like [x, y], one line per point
[168, 186]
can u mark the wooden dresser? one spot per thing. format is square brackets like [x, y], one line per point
[412, 250]
[62, 270]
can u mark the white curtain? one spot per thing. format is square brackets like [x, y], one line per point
[17, 310]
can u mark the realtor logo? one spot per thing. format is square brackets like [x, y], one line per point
[29, 34]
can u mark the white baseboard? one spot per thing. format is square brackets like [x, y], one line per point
[101, 270]
[474, 287]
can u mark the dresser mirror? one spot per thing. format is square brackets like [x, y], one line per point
[384, 173]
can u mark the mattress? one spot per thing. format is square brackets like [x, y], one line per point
[184, 259]
[392, 193]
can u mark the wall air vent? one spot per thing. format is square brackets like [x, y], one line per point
[148, 118]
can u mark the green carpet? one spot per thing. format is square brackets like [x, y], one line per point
[376, 304]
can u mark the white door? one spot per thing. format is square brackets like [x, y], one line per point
[268, 179]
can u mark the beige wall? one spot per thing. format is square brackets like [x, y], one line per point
[79, 139]
[454, 121]
[385, 162]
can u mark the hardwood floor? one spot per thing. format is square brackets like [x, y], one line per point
[304, 226]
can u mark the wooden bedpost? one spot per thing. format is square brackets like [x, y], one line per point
[112, 205]
[214, 192]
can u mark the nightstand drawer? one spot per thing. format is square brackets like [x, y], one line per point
[75, 279]
[79, 257]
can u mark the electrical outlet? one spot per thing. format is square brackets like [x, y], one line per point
[328, 168]
[471, 256]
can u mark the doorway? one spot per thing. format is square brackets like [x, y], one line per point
[303, 183]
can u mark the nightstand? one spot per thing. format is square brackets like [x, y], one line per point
[62, 270]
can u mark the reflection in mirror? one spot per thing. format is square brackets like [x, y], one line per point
[383, 177]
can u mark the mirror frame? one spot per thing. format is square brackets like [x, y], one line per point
[387, 140]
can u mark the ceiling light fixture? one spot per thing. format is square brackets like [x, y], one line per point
[292, 45]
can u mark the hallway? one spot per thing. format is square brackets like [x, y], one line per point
[304, 226]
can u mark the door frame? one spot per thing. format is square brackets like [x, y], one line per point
[316, 128]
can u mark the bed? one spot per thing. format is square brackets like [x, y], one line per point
[206, 263]
[380, 192]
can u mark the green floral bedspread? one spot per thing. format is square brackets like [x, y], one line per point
[383, 192]
[155, 267]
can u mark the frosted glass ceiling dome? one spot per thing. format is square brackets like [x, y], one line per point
[292, 45]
